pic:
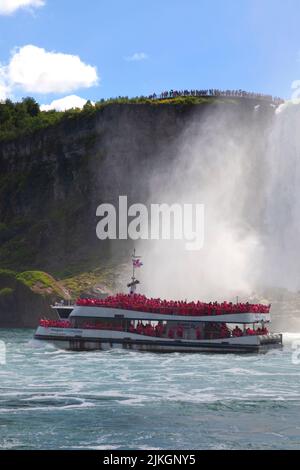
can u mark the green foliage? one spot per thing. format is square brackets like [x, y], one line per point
[37, 282]
[25, 117]
[40, 282]
[85, 281]
[31, 278]
[31, 107]
[44, 284]
[6, 292]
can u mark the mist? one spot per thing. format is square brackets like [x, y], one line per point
[247, 176]
[282, 262]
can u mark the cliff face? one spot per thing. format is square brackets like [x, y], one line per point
[52, 182]
[20, 306]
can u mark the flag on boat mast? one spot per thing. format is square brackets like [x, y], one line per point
[136, 263]
[136, 260]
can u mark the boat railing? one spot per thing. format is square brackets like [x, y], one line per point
[160, 307]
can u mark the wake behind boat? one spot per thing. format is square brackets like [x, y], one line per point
[133, 321]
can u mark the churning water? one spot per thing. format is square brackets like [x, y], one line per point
[52, 399]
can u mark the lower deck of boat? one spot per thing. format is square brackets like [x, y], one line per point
[161, 346]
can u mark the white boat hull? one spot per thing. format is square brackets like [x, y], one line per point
[89, 340]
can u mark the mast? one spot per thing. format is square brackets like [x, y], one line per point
[133, 266]
[136, 263]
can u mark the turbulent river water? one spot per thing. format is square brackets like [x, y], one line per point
[52, 399]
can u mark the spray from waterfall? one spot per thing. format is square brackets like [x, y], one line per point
[248, 179]
[282, 210]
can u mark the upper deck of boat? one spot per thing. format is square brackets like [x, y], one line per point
[107, 312]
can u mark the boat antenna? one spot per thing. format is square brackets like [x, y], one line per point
[136, 263]
[133, 265]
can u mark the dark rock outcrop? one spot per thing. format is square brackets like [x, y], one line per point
[20, 307]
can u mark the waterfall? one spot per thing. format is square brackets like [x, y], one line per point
[245, 170]
[282, 211]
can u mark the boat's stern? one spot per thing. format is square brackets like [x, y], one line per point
[270, 341]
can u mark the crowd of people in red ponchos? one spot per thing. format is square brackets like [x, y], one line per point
[249, 331]
[211, 330]
[141, 303]
[87, 325]
[102, 326]
[55, 323]
[148, 329]
[215, 331]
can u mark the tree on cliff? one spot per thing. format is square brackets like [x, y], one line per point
[23, 117]
[31, 106]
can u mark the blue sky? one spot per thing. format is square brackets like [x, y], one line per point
[248, 44]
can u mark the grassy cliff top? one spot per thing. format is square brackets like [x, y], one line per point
[38, 282]
[23, 118]
[104, 280]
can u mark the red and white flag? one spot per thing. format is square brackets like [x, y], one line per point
[137, 263]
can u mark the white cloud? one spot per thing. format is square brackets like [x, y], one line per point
[3, 93]
[33, 69]
[137, 56]
[68, 102]
[7, 7]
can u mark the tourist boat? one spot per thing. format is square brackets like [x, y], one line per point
[134, 322]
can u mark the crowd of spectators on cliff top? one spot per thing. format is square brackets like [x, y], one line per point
[216, 93]
[141, 303]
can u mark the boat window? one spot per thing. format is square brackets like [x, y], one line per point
[100, 323]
